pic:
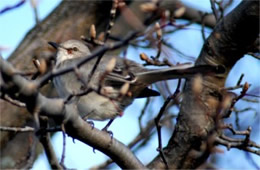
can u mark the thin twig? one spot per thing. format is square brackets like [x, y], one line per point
[203, 26]
[12, 7]
[17, 129]
[45, 139]
[12, 101]
[111, 19]
[144, 135]
[238, 143]
[63, 148]
[214, 9]
[240, 80]
[236, 132]
[142, 113]
[31, 153]
[158, 117]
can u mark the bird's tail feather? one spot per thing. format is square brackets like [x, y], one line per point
[177, 72]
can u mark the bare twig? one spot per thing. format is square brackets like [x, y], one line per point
[154, 61]
[236, 132]
[145, 135]
[12, 7]
[44, 137]
[63, 149]
[111, 19]
[12, 101]
[203, 26]
[255, 55]
[232, 88]
[17, 129]
[31, 153]
[158, 117]
[240, 80]
[242, 94]
[238, 143]
[142, 113]
[74, 125]
[35, 11]
[214, 9]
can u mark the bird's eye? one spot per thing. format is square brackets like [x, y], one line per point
[75, 49]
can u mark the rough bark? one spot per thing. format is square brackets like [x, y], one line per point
[230, 40]
[69, 20]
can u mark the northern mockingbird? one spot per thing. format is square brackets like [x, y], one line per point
[105, 100]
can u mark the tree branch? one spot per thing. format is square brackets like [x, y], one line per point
[231, 39]
[75, 126]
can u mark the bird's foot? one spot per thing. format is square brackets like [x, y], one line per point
[91, 123]
[107, 126]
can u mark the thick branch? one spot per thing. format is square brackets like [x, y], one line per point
[69, 20]
[231, 39]
[75, 126]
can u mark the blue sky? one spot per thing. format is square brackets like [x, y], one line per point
[16, 23]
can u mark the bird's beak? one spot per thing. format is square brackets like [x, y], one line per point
[54, 45]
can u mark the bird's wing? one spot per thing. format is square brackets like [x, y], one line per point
[124, 72]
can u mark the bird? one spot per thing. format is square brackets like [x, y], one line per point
[114, 84]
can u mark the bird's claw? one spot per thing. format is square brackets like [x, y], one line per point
[91, 123]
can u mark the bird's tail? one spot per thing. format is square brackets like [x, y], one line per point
[182, 71]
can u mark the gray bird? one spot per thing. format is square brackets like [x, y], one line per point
[108, 97]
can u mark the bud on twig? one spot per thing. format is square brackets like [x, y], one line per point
[143, 56]
[245, 87]
[179, 12]
[148, 7]
[121, 4]
[36, 63]
[40, 65]
[101, 37]
[111, 65]
[158, 31]
[227, 101]
[124, 89]
[82, 37]
[197, 84]
[93, 33]
[43, 66]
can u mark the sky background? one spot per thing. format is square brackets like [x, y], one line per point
[16, 23]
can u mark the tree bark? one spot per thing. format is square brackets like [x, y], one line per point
[69, 20]
[231, 39]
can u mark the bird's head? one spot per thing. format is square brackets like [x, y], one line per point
[70, 49]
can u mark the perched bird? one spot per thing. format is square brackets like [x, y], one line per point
[115, 83]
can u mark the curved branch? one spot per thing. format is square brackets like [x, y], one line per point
[75, 126]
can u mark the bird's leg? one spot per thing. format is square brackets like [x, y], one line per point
[107, 126]
[91, 123]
